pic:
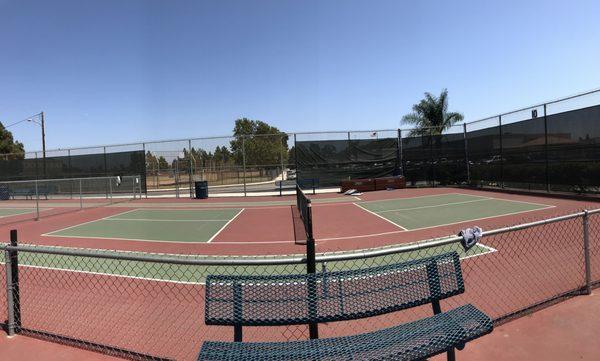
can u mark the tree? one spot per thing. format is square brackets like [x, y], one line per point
[9, 146]
[162, 163]
[431, 116]
[261, 143]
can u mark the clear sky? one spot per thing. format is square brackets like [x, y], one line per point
[112, 71]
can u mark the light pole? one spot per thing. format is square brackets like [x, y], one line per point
[42, 124]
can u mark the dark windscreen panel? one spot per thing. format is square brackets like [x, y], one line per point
[524, 157]
[76, 166]
[331, 161]
[574, 151]
[485, 163]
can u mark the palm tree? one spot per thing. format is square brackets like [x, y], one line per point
[431, 116]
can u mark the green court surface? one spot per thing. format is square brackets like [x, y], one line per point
[438, 210]
[197, 274]
[7, 212]
[166, 225]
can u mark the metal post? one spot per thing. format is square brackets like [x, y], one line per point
[466, 153]
[44, 142]
[244, 161]
[501, 153]
[146, 175]
[80, 195]
[176, 177]
[12, 282]
[400, 160]
[282, 170]
[9, 293]
[191, 176]
[546, 148]
[105, 167]
[296, 159]
[311, 267]
[37, 202]
[586, 252]
[69, 159]
[110, 189]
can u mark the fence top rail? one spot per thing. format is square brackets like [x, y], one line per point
[538, 105]
[43, 180]
[195, 260]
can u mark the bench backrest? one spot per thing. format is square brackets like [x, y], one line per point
[331, 296]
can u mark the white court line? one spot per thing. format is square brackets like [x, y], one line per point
[426, 196]
[489, 250]
[477, 219]
[428, 227]
[166, 220]
[225, 225]
[125, 239]
[377, 215]
[84, 223]
[435, 206]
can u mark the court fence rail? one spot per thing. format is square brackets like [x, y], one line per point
[151, 306]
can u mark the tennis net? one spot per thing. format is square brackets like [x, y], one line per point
[302, 217]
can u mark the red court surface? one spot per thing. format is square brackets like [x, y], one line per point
[565, 331]
[266, 227]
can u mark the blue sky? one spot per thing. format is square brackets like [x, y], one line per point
[114, 71]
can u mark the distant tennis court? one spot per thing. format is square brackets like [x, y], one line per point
[438, 210]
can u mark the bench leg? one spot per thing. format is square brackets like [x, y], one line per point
[451, 356]
[237, 333]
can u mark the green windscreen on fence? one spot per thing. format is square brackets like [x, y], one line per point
[331, 161]
[76, 166]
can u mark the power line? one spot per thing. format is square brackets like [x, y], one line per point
[24, 120]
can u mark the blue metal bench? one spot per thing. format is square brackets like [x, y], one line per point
[30, 192]
[341, 296]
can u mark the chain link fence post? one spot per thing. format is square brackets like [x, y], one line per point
[9, 294]
[244, 161]
[466, 153]
[586, 252]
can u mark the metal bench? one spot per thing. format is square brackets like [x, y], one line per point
[341, 296]
[31, 192]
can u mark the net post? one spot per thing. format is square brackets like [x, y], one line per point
[586, 252]
[311, 268]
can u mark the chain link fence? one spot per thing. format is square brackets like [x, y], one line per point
[42, 198]
[151, 306]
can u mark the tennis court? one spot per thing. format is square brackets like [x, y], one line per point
[158, 225]
[438, 210]
[9, 212]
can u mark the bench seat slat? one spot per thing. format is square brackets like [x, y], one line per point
[409, 341]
